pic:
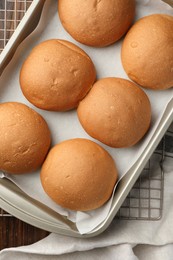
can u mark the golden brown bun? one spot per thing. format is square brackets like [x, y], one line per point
[147, 52]
[96, 22]
[115, 112]
[24, 138]
[78, 174]
[56, 75]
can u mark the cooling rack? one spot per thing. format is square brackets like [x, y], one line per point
[11, 13]
[145, 200]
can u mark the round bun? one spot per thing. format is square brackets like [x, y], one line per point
[96, 22]
[24, 138]
[147, 52]
[56, 75]
[78, 174]
[115, 112]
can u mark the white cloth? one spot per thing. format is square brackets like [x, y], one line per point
[124, 239]
[120, 252]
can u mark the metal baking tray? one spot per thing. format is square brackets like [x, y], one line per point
[16, 202]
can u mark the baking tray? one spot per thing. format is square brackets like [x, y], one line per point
[13, 200]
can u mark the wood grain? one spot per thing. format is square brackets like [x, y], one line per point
[14, 232]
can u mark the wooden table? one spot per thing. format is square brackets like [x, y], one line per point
[14, 232]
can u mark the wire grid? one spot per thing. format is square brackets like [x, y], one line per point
[11, 13]
[145, 200]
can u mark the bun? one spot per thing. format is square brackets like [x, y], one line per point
[96, 23]
[115, 112]
[78, 174]
[24, 138]
[147, 54]
[56, 75]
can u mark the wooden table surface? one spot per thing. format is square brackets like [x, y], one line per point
[14, 232]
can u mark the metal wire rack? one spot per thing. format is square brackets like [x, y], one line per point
[145, 200]
[11, 13]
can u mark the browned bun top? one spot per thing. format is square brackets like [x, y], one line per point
[24, 138]
[56, 75]
[115, 112]
[147, 52]
[96, 22]
[78, 174]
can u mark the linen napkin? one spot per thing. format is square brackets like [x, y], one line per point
[124, 239]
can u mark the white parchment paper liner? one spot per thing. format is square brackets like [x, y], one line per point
[65, 125]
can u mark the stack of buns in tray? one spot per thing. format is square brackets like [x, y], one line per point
[80, 174]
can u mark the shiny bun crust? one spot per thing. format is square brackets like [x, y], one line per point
[56, 75]
[115, 112]
[78, 174]
[24, 138]
[96, 22]
[147, 52]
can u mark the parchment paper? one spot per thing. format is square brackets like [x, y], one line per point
[65, 125]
